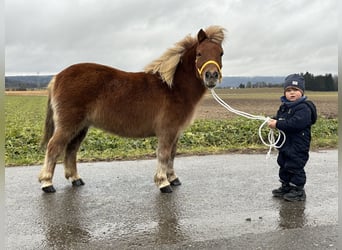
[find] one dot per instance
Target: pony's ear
(201, 36)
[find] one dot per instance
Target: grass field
(215, 130)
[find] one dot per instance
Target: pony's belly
(127, 129)
(133, 133)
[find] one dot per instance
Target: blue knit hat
(295, 81)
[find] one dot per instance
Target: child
(295, 117)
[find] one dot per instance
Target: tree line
(326, 82)
(27, 82)
(320, 82)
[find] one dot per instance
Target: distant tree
(335, 83)
(309, 81)
(329, 83)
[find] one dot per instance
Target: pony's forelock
(167, 63)
(215, 33)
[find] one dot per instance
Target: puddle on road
(292, 215)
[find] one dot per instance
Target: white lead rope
(272, 142)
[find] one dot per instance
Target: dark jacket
(295, 119)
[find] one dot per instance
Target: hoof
(78, 182)
(166, 189)
(175, 182)
(49, 189)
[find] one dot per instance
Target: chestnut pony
(157, 102)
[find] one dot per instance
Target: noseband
(210, 62)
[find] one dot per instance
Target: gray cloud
(264, 38)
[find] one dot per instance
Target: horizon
(52, 74)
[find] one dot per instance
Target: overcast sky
(268, 37)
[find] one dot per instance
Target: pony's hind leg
(54, 149)
(70, 168)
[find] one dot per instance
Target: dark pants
(292, 167)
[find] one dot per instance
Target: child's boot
(281, 191)
(297, 193)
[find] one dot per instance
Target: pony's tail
(49, 127)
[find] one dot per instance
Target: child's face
(293, 94)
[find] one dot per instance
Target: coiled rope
(272, 141)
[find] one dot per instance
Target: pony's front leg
(171, 175)
(164, 153)
(160, 178)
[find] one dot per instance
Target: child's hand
(272, 123)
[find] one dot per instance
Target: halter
(210, 62)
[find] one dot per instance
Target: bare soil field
(28, 93)
(263, 101)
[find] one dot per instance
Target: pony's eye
(222, 53)
(199, 54)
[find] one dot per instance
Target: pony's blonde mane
(167, 63)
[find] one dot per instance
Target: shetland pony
(160, 101)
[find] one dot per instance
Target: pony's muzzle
(211, 77)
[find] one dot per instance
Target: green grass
(25, 118)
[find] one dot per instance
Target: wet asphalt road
(225, 202)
